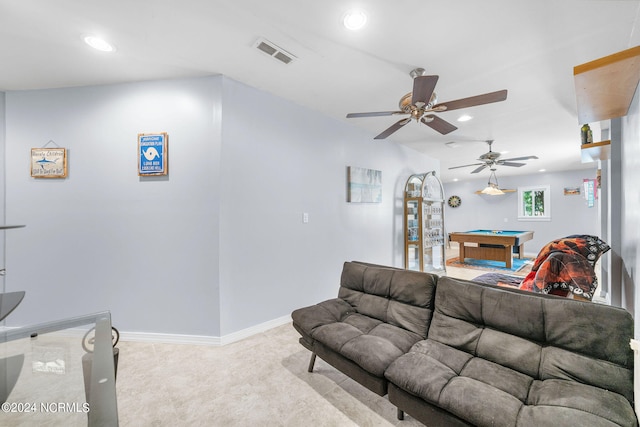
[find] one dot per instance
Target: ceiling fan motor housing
(409, 108)
(491, 155)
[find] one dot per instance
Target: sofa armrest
(307, 319)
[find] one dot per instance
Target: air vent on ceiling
(274, 51)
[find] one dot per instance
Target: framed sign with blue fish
(49, 162)
(153, 154)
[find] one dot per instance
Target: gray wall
(569, 214)
(629, 207)
(281, 160)
(216, 247)
(104, 238)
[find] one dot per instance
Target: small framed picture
(364, 185)
(49, 162)
(571, 191)
(153, 154)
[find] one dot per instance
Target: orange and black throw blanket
(566, 266)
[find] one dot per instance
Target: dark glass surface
(9, 301)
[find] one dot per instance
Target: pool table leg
(508, 256)
(521, 251)
(461, 253)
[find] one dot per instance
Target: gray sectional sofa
(454, 352)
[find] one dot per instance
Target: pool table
(494, 245)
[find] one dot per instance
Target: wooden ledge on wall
(595, 151)
(504, 190)
(605, 87)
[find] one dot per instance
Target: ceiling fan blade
(394, 127)
(374, 114)
(423, 87)
(521, 158)
(472, 101)
(480, 169)
(438, 124)
(503, 163)
(466, 166)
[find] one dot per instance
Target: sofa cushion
(589, 405)
(379, 314)
(374, 351)
(485, 393)
(503, 325)
(498, 356)
(474, 389)
(398, 297)
(329, 311)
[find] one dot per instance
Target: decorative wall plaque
(49, 162)
(152, 154)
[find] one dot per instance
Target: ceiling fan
(492, 158)
(423, 100)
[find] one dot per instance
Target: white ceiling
(528, 47)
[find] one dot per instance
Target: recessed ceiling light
(465, 118)
(98, 43)
(354, 20)
(542, 170)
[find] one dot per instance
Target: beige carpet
(259, 381)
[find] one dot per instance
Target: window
(534, 203)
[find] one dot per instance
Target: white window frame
(547, 203)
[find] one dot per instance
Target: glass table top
(9, 301)
(59, 373)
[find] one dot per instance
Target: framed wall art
(49, 162)
(364, 185)
(153, 154)
(571, 191)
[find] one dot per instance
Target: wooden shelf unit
(605, 87)
(595, 151)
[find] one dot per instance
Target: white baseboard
(153, 337)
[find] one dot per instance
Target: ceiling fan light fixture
(465, 118)
(354, 20)
(492, 188)
(98, 43)
(492, 191)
